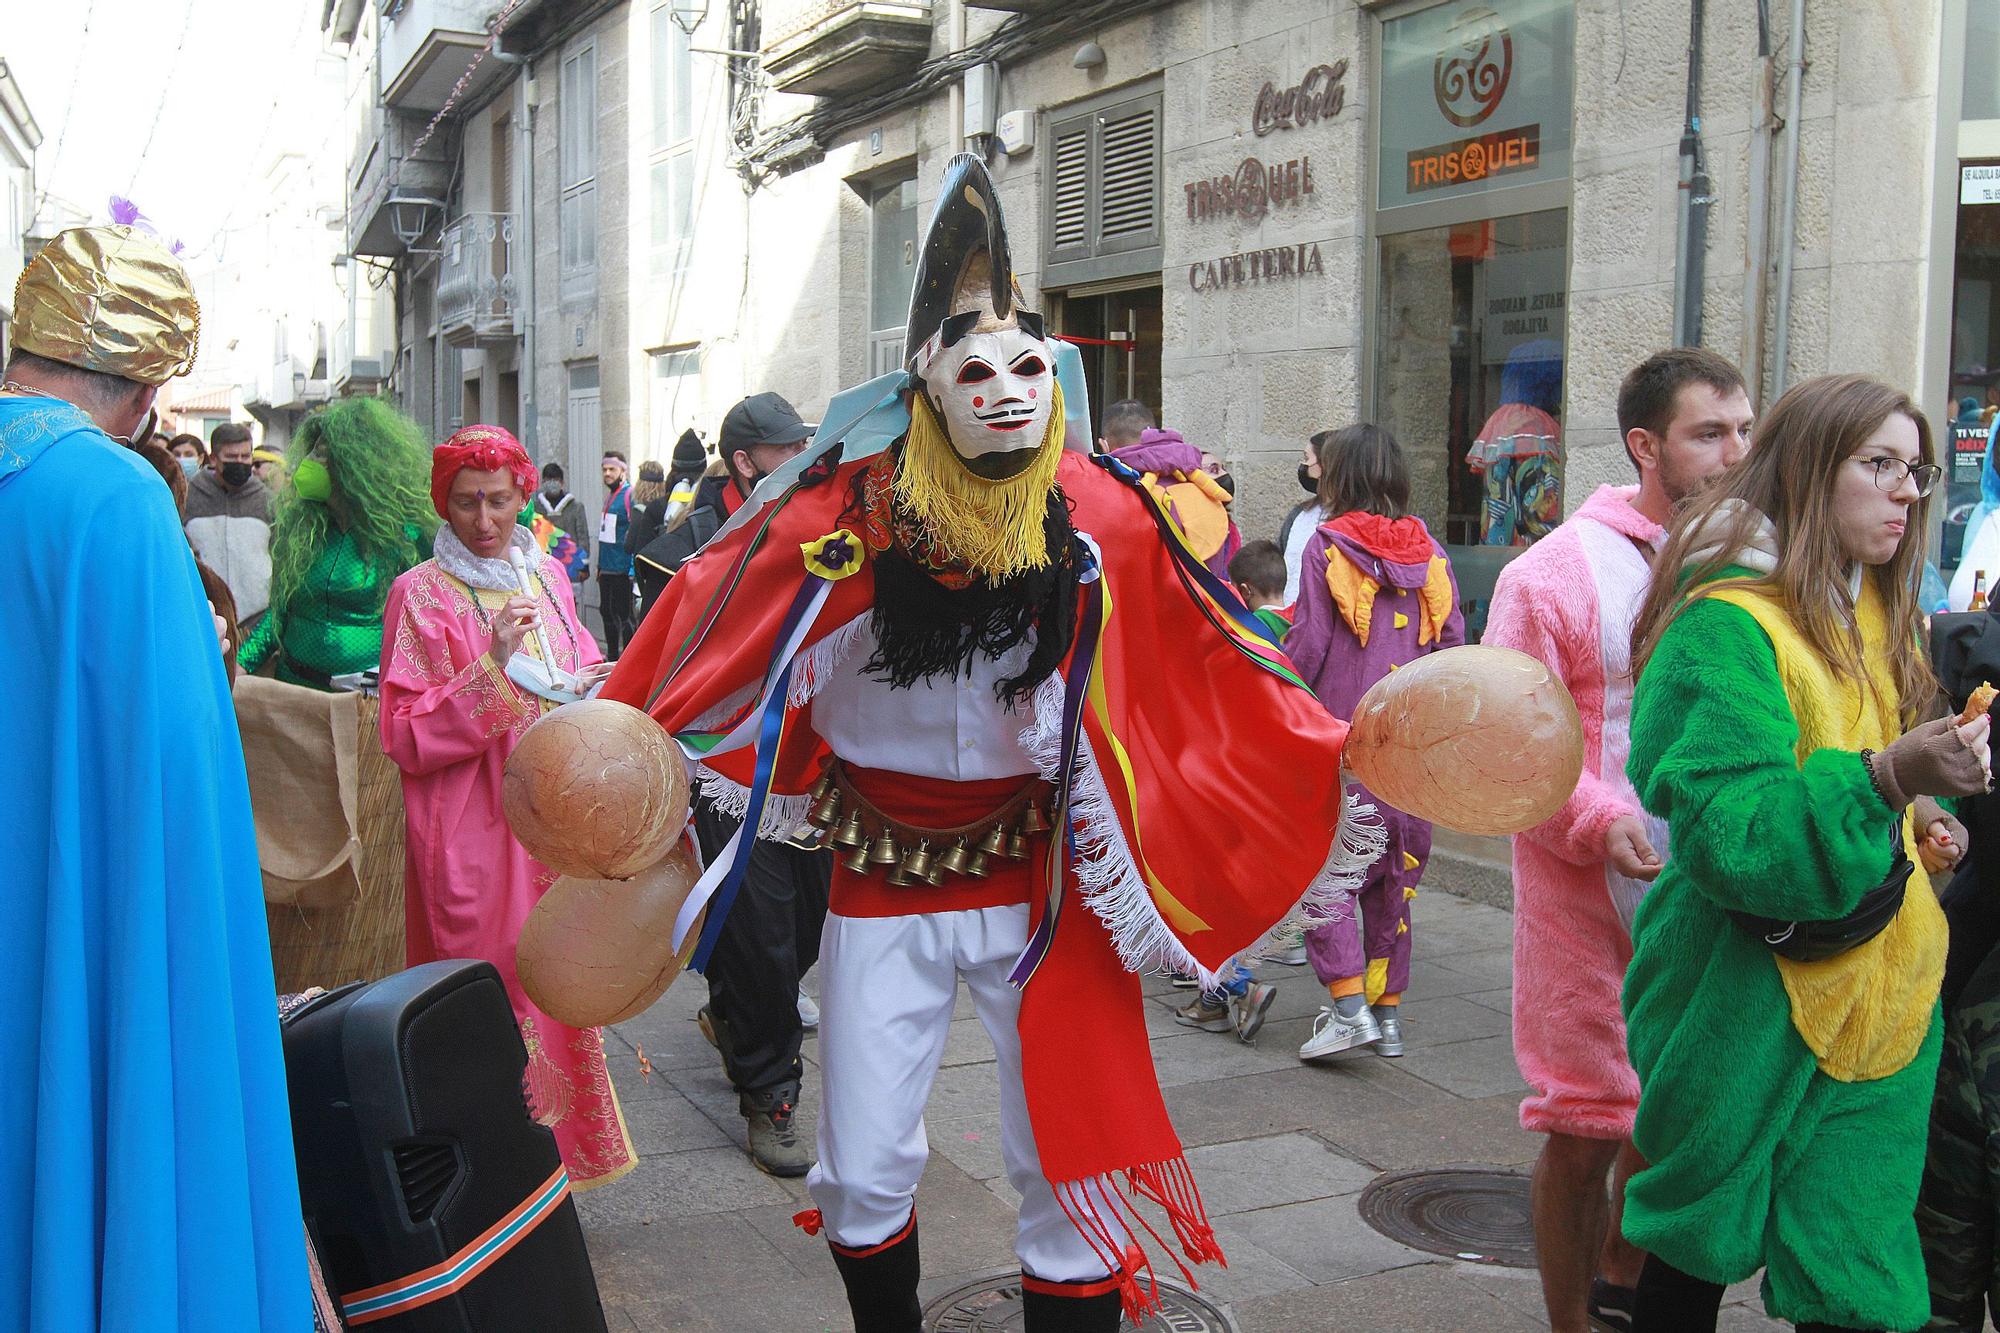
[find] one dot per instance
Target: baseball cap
(764, 418)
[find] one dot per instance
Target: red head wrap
(483, 449)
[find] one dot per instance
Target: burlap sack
(299, 747)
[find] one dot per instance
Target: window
(671, 160)
(677, 399)
(1103, 212)
(892, 270)
(577, 151)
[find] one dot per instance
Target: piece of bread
(1981, 700)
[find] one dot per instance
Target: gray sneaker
(1209, 1013)
(1285, 946)
(1391, 1041)
(1333, 1034)
(1250, 1008)
(775, 1144)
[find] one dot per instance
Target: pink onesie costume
(1570, 601)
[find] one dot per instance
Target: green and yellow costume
(1783, 1105)
(357, 514)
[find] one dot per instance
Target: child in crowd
(1258, 574)
(1376, 593)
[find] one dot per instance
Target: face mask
(190, 466)
(1307, 481)
(993, 392)
(553, 489)
(1227, 483)
(235, 474)
(312, 481)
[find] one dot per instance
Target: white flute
(532, 592)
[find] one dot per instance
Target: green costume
(357, 514)
(1759, 1156)
(330, 626)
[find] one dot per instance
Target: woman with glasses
(1781, 1004)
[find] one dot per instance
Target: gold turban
(109, 299)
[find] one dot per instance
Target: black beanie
(689, 456)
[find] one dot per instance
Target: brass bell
(977, 867)
(994, 843)
(897, 876)
(1033, 821)
(824, 785)
(856, 861)
(826, 811)
(917, 865)
(885, 851)
(852, 834)
(937, 874)
(1017, 848)
(957, 858)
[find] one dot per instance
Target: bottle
(1978, 591)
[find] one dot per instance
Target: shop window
(1102, 218)
(892, 270)
(1469, 376)
(1975, 378)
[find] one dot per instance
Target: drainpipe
(1691, 233)
(1788, 224)
(523, 258)
(954, 40)
(1757, 203)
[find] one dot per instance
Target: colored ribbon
(441, 1280)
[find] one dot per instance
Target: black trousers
(1670, 1301)
(614, 603)
(770, 940)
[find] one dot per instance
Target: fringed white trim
(784, 816)
(1109, 876)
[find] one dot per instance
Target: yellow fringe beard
(995, 527)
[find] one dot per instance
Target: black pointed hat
(965, 274)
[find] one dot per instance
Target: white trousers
(887, 985)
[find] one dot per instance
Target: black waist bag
(1816, 941)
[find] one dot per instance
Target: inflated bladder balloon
(1479, 739)
(596, 790)
(598, 951)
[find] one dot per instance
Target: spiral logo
(1471, 73)
(1472, 161)
(1253, 198)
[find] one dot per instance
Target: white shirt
(955, 730)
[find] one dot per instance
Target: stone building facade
(1262, 217)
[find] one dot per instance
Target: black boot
(1070, 1307)
(882, 1283)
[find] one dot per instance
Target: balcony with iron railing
(476, 293)
(829, 47)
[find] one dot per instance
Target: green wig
(380, 467)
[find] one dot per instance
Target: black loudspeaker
(438, 1204)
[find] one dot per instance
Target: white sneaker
(1333, 1034)
(808, 1011)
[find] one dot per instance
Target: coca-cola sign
(1319, 96)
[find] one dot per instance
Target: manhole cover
(992, 1304)
(1466, 1212)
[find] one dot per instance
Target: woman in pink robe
(450, 718)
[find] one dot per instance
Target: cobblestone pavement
(696, 1239)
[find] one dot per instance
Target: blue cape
(146, 1172)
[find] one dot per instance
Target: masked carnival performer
(355, 515)
(450, 717)
(146, 1171)
(947, 651)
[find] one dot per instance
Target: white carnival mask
(993, 391)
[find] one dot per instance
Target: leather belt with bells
(867, 839)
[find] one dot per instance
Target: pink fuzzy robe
(1570, 601)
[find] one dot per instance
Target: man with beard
(948, 654)
(1570, 601)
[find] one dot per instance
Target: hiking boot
(1250, 1008)
(1334, 1033)
(775, 1143)
(1391, 1023)
(1285, 946)
(1210, 1013)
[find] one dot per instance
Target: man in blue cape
(146, 1172)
